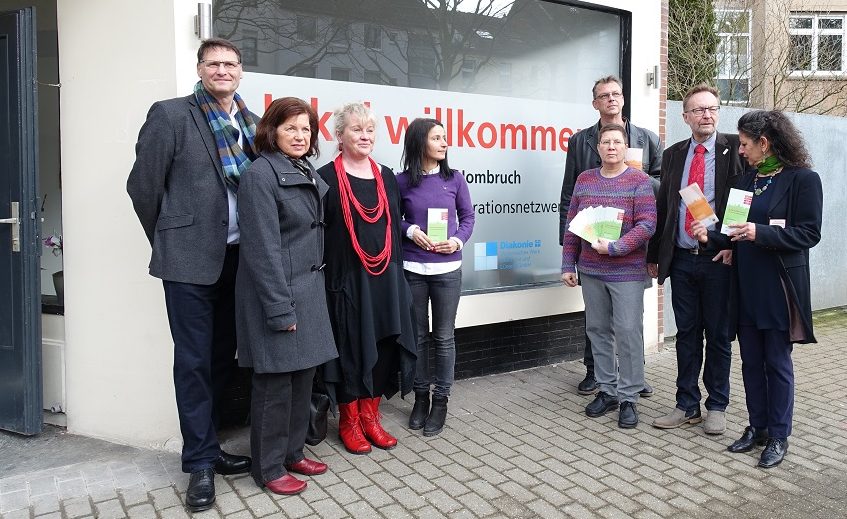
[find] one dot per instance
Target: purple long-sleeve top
(626, 261)
(435, 192)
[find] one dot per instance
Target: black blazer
(728, 167)
(798, 199)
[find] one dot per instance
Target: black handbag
(318, 410)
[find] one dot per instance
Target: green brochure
(436, 224)
(737, 208)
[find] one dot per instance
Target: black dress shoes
(752, 437)
(588, 385)
(602, 404)
(201, 490)
(628, 415)
(228, 464)
(774, 452)
(646, 391)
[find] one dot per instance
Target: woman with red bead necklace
(370, 305)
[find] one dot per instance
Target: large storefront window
(510, 80)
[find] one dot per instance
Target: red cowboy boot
(350, 430)
(369, 416)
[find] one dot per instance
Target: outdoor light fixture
(653, 77)
(203, 21)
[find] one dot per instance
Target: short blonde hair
(342, 115)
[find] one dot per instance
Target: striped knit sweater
(626, 261)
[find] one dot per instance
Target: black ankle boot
(435, 421)
(419, 411)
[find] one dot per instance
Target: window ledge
(818, 76)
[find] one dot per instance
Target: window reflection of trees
(455, 45)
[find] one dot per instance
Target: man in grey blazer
(189, 156)
(699, 277)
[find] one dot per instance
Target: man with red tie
(699, 275)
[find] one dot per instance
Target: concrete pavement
(516, 445)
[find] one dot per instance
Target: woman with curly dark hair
(770, 303)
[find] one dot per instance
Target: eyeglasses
(610, 95)
(616, 142)
(700, 112)
(215, 65)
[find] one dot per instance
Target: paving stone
(17, 500)
(175, 512)
(52, 515)
(228, 503)
(102, 491)
(261, 505)
(396, 512)
(17, 514)
(328, 509)
(143, 511)
(42, 485)
(294, 506)
(112, 509)
(14, 484)
(45, 504)
(77, 507)
(134, 495)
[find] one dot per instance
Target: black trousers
(279, 408)
(202, 322)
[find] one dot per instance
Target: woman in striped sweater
(612, 274)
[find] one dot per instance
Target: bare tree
(771, 58)
(431, 39)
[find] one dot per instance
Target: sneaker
(715, 422)
(676, 418)
(628, 415)
(588, 386)
(602, 404)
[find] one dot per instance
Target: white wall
(116, 59)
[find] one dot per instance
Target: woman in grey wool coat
(281, 314)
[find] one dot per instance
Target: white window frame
(723, 71)
(815, 33)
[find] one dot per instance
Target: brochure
(737, 208)
(697, 205)
(436, 224)
(633, 158)
(592, 223)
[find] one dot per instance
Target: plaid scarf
(234, 159)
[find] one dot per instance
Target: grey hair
(342, 115)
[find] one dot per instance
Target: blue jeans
(443, 291)
(700, 290)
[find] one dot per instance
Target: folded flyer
(737, 208)
(436, 224)
(592, 223)
(697, 205)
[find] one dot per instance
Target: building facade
(521, 72)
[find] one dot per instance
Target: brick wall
(513, 345)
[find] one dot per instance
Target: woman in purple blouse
(432, 193)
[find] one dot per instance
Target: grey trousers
(614, 321)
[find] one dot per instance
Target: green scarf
(768, 165)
